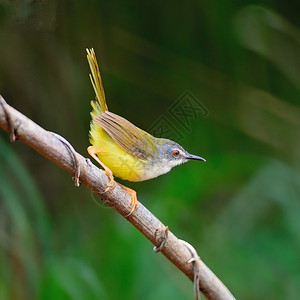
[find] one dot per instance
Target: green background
(240, 209)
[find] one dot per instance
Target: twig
(58, 150)
(197, 263)
(74, 155)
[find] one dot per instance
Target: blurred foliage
(241, 209)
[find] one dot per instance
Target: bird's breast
(153, 169)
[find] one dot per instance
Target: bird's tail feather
(99, 105)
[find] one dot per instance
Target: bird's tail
(99, 105)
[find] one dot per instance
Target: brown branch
(58, 151)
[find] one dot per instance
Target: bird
(124, 150)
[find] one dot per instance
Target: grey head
(174, 153)
(168, 155)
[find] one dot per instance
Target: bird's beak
(195, 157)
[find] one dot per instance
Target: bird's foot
(134, 204)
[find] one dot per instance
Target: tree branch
(59, 151)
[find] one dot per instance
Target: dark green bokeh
(240, 209)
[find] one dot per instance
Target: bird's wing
(132, 139)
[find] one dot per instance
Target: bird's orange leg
(134, 202)
(93, 150)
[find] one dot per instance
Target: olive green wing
(132, 139)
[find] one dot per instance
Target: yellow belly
(122, 164)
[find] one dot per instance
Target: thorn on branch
(9, 120)
(161, 237)
(73, 153)
(197, 261)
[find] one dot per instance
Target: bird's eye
(176, 153)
